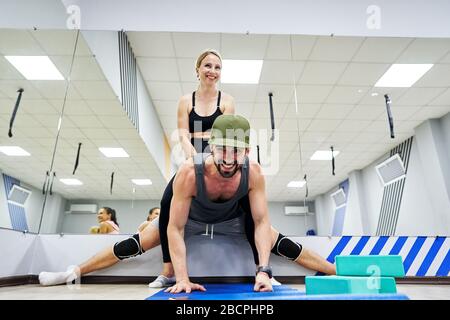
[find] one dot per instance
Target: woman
(152, 215)
(107, 222)
(198, 110)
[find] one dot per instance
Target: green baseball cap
(230, 130)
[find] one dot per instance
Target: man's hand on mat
(262, 283)
(185, 285)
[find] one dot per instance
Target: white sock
(54, 278)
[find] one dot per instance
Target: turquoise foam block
(349, 285)
(244, 291)
(382, 266)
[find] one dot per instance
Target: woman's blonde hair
(203, 56)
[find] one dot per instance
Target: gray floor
(140, 292)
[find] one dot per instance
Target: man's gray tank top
(207, 211)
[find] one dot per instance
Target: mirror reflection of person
(107, 220)
(153, 213)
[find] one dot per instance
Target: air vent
(339, 198)
(83, 208)
(391, 170)
(297, 211)
(18, 195)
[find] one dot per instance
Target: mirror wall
(324, 95)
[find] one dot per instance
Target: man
(208, 190)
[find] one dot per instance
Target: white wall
(425, 206)
(105, 46)
(324, 213)
(130, 218)
(26, 14)
(54, 214)
(416, 204)
(129, 215)
(33, 207)
(150, 128)
(291, 225)
(17, 252)
(418, 18)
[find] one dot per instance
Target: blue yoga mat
(244, 291)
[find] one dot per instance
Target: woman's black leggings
(164, 222)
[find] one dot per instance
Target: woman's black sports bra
(201, 124)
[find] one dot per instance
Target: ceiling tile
(262, 110)
(55, 89)
(84, 67)
(381, 49)
(164, 90)
(166, 108)
(186, 67)
(281, 93)
(9, 89)
(19, 43)
(419, 96)
(366, 112)
(335, 48)
(7, 71)
(334, 111)
(84, 121)
(35, 106)
(191, 45)
(437, 76)
(303, 110)
(425, 51)
(365, 74)
(321, 72)
(236, 46)
(241, 92)
(151, 44)
(314, 136)
(74, 107)
(312, 94)
(430, 112)
(158, 69)
(62, 42)
(292, 124)
(279, 48)
(280, 72)
(353, 125)
(346, 95)
(189, 87)
(324, 125)
(95, 90)
(442, 99)
(302, 46)
(115, 122)
(375, 96)
(106, 107)
(341, 137)
(400, 113)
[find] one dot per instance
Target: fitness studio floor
(141, 291)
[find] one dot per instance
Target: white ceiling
(92, 115)
(334, 78)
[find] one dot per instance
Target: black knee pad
(287, 248)
(128, 248)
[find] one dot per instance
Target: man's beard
(228, 174)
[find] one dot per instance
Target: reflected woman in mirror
(107, 220)
(152, 215)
